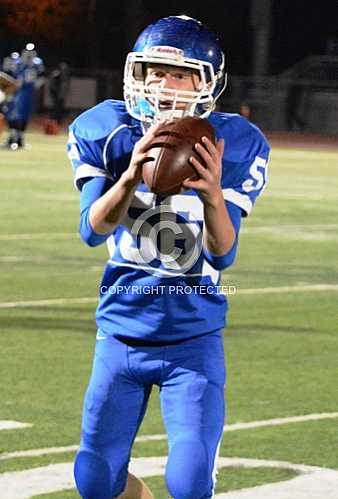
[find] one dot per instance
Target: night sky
(298, 29)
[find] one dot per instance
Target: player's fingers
(198, 185)
(139, 159)
(148, 136)
(154, 128)
(215, 151)
(205, 155)
(144, 158)
(210, 147)
(200, 170)
(190, 183)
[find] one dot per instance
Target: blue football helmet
(175, 41)
(28, 54)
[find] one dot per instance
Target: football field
(281, 344)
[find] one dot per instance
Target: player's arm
(219, 233)
(221, 262)
(103, 202)
(107, 212)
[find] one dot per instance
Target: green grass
(280, 347)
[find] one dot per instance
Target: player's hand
(141, 155)
(209, 182)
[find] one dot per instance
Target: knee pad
(187, 471)
(93, 476)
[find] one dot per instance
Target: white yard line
(47, 303)
(288, 289)
(38, 452)
(280, 421)
(148, 438)
(13, 425)
(29, 483)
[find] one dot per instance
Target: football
(171, 149)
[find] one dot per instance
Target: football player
(28, 73)
(161, 309)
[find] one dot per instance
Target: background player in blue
(27, 70)
(161, 310)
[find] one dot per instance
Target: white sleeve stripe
(242, 200)
(85, 171)
(108, 140)
(71, 137)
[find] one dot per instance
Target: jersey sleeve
(92, 191)
(223, 261)
(245, 162)
(86, 157)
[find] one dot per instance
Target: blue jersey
(160, 285)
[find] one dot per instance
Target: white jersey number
(258, 172)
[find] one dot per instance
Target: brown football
(171, 149)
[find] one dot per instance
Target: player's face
(171, 78)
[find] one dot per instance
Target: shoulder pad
(99, 121)
(243, 139)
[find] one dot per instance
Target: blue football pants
(191, 379)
